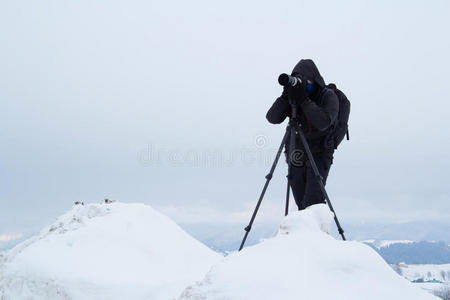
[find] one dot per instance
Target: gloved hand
(296, 94)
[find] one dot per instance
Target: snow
(105, 251)
(433, 287)
(426, 272)
(304, 262)
(130, 251)
(386, 243)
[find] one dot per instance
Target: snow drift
(304, 262)
(105, 251)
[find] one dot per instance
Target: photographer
(318, 109)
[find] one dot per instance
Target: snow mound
(314, 218)
(105, 251)
(304, 262)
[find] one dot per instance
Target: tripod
(292, 128)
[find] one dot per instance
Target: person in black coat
(318, 109)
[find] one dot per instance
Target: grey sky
(89, 89)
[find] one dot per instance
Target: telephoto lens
(285, 79)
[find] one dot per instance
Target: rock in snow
(304, 262)
(105, 251)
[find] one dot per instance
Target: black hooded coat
(317, 114)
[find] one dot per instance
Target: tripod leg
(290, 163)
(268, 178)
(286, 209)
(319, 178)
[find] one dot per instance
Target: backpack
(340, 129)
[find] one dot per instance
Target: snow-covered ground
(386, 243)
(303, 262)
(426, 272)
(434, 287)
(105, 251)
(130, 251)
(426, 276)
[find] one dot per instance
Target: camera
(285, 80)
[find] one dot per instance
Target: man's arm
(279, 111)
(322, 117)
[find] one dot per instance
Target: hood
(307, 69)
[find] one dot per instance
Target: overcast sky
(164, 102)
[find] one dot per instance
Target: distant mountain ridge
(414, 231)
(410, 252)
